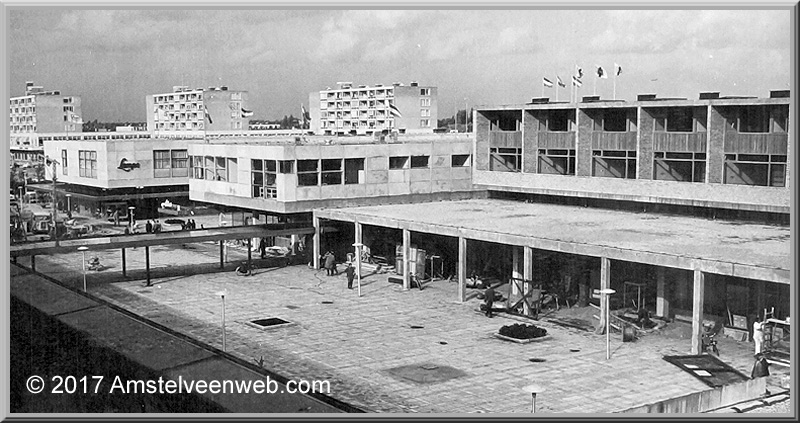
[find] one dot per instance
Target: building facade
(365, 110)
(186, 111)
(38, 112)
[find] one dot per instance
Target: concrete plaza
(357, 343)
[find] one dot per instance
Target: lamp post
(607, 292)
(533, 390)
(83, 250)
(222, 295)
(69, 204)
(358, 246)
(130, 217)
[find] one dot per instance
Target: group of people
(329, 263)
(190, 224)
(152, 227)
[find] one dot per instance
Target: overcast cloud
(113, 58)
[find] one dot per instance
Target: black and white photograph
(441, 210)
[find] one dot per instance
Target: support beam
(662, 297)
(124, 265)
(605, 283)
(147, 264)
(317, 235)
(462, 269)
(527, 274)
(698, 294)
(221, 254)
(406, 261)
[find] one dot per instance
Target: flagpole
(615, 86)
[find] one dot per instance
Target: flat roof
(723, 247)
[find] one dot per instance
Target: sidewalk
(360, 344)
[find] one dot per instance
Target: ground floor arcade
(679, 267)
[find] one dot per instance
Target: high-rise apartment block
(364, 110)
(197, 110)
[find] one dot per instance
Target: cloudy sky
(113, 58)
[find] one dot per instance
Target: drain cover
(327, 302)
(272, 321)
(443, 343)
(574, 350)
(537, 360)
(417, 327)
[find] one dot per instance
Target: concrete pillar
(359, 233)
(530, 141)
(147, 264)
(221, 254)
(517, 271)
(583, 147)
(715, 144)
(605, 283)
(481, 151)
(662, 297)
(462, 269)
(33, 263)
(527, 274)
(645, 144)
(250, 252)
(124, 266)
(294, 240)
(317, 235)
(406, 260)
(697, 311)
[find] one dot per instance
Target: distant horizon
(113, 58)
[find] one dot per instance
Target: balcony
(614, 140)
(505, 138)
(557, 140)
(762, 143)
(680, 142)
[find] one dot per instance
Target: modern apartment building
(365, 110)
(37, 112)
(186, 111)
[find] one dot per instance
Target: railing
(505, 139)
(756, 143)
(680, 142)
(557, 140)
(614, 140)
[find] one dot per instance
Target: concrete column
(359, 233)
(124, 267)
(294, 240)
(715, 144)
(605, 283)
(147, 264)
(527, 274)
(662, 299)
(530, 141)
(250, 252)
(33, 263)
(517, 270)
(481, 150)
(406, 261)
(583, 144)
(645, 145)
(697, 311)
(462, 269)
(317, 235)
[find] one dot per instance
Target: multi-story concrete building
(365, 110)
(38, 112)
(197, 110)
(680, 206)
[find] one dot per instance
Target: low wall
(712, 399)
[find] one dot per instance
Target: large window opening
(556, 162)
(505, 159)
(264, 178)
(755, 169)
(307, 173)
(679, 167)
(614, 164)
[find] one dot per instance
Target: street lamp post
(607, 292)
(222, 295)
(358, 246)
(130, 217)
(83, 250)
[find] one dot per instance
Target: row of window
(357, 93)
(22, 110)
(214, 168)
(19, 119)
(679, 119)
(87, 163)
(741, 169)
(24, 100)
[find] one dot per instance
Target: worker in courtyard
(351, 273)
(262, 247)
(758, 335)
(489, 298)
(330, 262)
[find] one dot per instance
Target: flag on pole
(576, 81)
(246, 113)
(560, 82)
(208, 116)
(578, 72)
(547, 82)
(74, 118)
(305, 114)
(394, 110)
(618, 69)
(601, 73)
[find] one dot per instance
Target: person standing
(489, 297)
(758, 335)
(351, 273)
(329, 262)
(262, 247)
(148, 227)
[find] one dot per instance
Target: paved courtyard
(355, 342)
